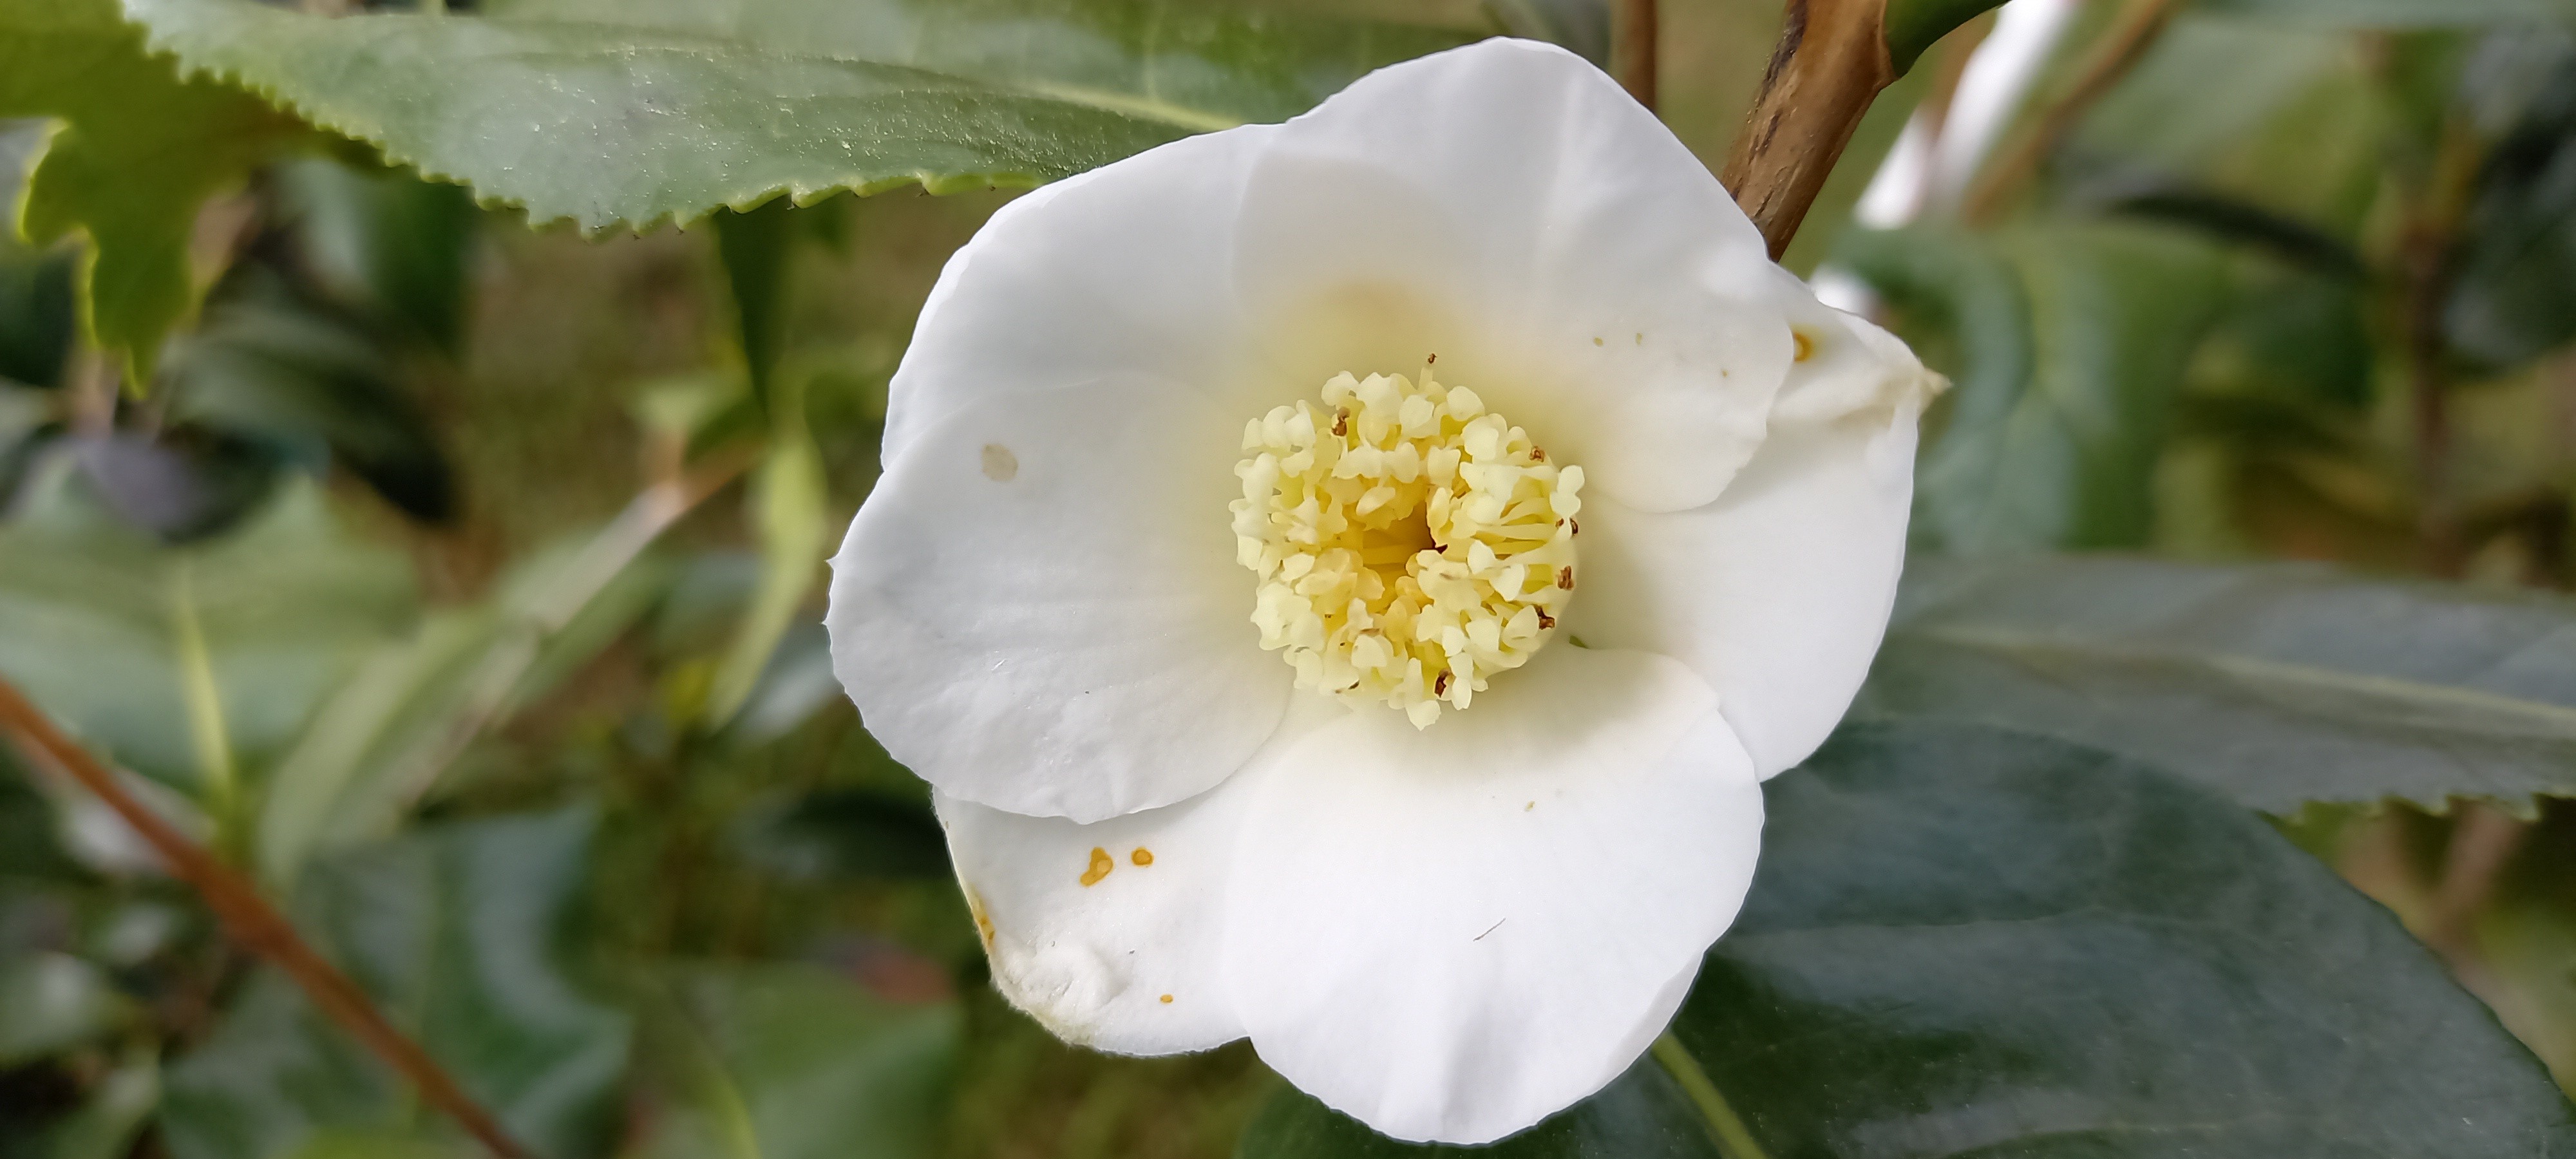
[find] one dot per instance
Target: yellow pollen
(1409, 543)
(1099, 867)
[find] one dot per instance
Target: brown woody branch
(254, 924)
(1633, 30)
(1831, 63)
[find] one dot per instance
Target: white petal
(1039, 608)
(1118, 273)
(1506, 207)
(1449, 934)
(1779, 592)
(1848, 366)
(1095, 963)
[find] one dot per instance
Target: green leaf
(2518, 247)
(50, 1003)
(93, 624)
(2392, 13)
(119, 1106)
(388, 733)
(314, 388)
(455, 931)
(851, 834)
(615, 111)
(1968, 942)
(794, 1062)
(2070, 343)
(138, 152)
(386, 242)
(787, 503)
(2276, 685)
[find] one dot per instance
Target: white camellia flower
(1346, 580)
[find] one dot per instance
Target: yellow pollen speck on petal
(983, 921)
(1596, 341)
(1167, 999)
(1100, 867)
(1142, 856)
(1000, 465)
(1404, 538)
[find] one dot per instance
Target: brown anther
(1565, 578)
(1538, 454)
(1341, 422)
(1576, 525)
(1428, 361)
(1546, 621)
(1440, 685)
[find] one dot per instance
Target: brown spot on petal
(1100, 867)
(1000, 465)
(1142, 856)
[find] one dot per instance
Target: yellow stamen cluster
(1409, 543)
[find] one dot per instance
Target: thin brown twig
(2118, 52)
(1830, 65)
(1634, 29)
(254, 924)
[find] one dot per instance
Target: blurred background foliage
(462, 582)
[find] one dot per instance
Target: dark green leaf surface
(2276, 685)
(90, 618)
(1964, 942)
(795, 1062)
(139, 151)
(2069, 344)
(455, 931)
(2392, 13)
(608, 112)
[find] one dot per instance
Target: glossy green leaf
(2067, 344)
(457, 932)
(2276, 685)
(139, 150)
(93, 620)
(1968, 942)
(794, 1062)
(2392, 13)
(613, 111)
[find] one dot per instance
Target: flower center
(1409, 542)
